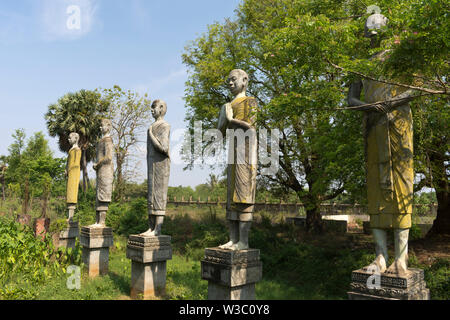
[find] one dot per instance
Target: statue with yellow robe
(73, 174)
(240, 117)
(388, 133)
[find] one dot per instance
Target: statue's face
(237, 82)
(157, 109)
(374, 25)
(105, 127)
(73, 139)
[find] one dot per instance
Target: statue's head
(237, 81)
(374, 24)
(74, 138)
(105, 126)
(159, 109)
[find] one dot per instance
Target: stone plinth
(96, 242)
(68, 236)
(391, 287)
(231, 275)
(148, 256)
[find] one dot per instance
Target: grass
(296, 265)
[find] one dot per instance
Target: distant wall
(295, 208)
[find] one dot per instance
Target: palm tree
(79, 112)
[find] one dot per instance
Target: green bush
(415, 232)
(26, 262)
(134, 219)
(437, 277)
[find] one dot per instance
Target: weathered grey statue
(105, 172)
(388, 137)
(240, 116)
(158, 164)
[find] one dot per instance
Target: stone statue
(158, 164)
(240, 116)
(105, 172)
(73, 174)
(388, 133)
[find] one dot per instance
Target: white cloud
(67, 19)
(163, 84)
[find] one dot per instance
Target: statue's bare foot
(398, 268)
(96, 225)
(239, 246)
(227, 245)
(148, 233)
(378, 265)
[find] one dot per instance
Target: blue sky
(136, 44)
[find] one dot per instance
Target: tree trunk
(314, 223)
(3, 189)
(441, 224)
(26, 197)
(46, 196)
(119, 183)
(85, 172)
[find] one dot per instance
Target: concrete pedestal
(391, 287)
(96, 242)
(231, 275)
(148, 256)
(68, 236)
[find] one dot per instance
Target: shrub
(27, 262)
(415, 232)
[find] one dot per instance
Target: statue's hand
(382, 107)
(229, 111)
(150, 130)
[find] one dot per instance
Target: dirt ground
(428, 250)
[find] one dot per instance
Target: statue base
(388, 286)
(231, 275)
(68, 236)
(96, 242)
(148, 257)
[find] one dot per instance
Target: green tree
(279, 44)
(130, 115)
(79, 112)
(33, 168)
(421, 57)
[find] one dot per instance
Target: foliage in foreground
(296, 265)
(27, 262)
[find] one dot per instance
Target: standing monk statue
(105, 172)
(388, 133)
(73, 174)
(158, 164)
(240, 117)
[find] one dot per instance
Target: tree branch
(430, 91)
